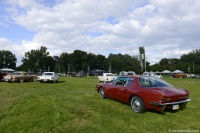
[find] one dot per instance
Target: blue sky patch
(112, 20)
(15, 33)
(94, 33)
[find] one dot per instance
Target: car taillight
(183, 97)
(161, 100)
(164, 99)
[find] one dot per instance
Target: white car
(152, 74)
(48, 77)
(106, 77)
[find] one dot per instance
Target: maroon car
(2, 76)
(143, 92)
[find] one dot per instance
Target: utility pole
(4, 62)
(193, 68)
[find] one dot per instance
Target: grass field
(73, 105)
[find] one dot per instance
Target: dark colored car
(144, 92)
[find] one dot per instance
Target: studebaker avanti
(144, 92)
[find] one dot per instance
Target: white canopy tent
(157, 72)
(7, 70)
(166, 72)
(177, 71)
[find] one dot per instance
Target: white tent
(166, 72)
(157, 72)
(177, 71)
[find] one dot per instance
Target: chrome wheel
(137, 104)
(102, 93)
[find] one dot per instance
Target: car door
(117, 88)
(122, 94)
(111, 91)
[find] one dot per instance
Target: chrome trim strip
(160, 104)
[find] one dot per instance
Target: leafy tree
(65, 61)
(124, 62)
(38, 60)
(79, 59)
(58, 65)
(102, 63)
(190, 59)
(7, 59)
(92, 61)
(164, 62)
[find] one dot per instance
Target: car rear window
(48, 73)
(153, 82)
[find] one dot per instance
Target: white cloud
(167, 29)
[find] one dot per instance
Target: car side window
(144, 82)
(129, 81)
(121, 81)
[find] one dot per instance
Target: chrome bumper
(171, 103)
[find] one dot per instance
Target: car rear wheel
(137, 104)
(102, 93)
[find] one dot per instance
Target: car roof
(137, 76)
(133, 76)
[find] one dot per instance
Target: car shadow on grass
(59, 82)
(166, 111)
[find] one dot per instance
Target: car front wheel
(137, 104)
(102, 93)
(21, 80)
(34, 79)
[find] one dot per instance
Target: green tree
(38, 60)
(102, 63)
(124, 62)
(7, 59)
(192, 61)
(79, 60)
(92, 61)
(65, 61)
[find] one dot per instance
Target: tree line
(40, 60)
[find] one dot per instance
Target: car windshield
(153, 82)
(109, 74)
(16, 73)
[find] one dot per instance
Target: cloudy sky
(166, 28)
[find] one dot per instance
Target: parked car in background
(20, 76)
(48, 77)
(2, 75)
(152, 74)
(122, 73)
(142, 92)
(178, 75)
(80, 74)
(62, 74)
(71, 74)
(196, 76)
(106, 77)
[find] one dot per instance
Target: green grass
(73, 105)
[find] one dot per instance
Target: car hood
(172, 91)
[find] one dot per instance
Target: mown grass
(73, 105)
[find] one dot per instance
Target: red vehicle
(144, 92)
(2, 76)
